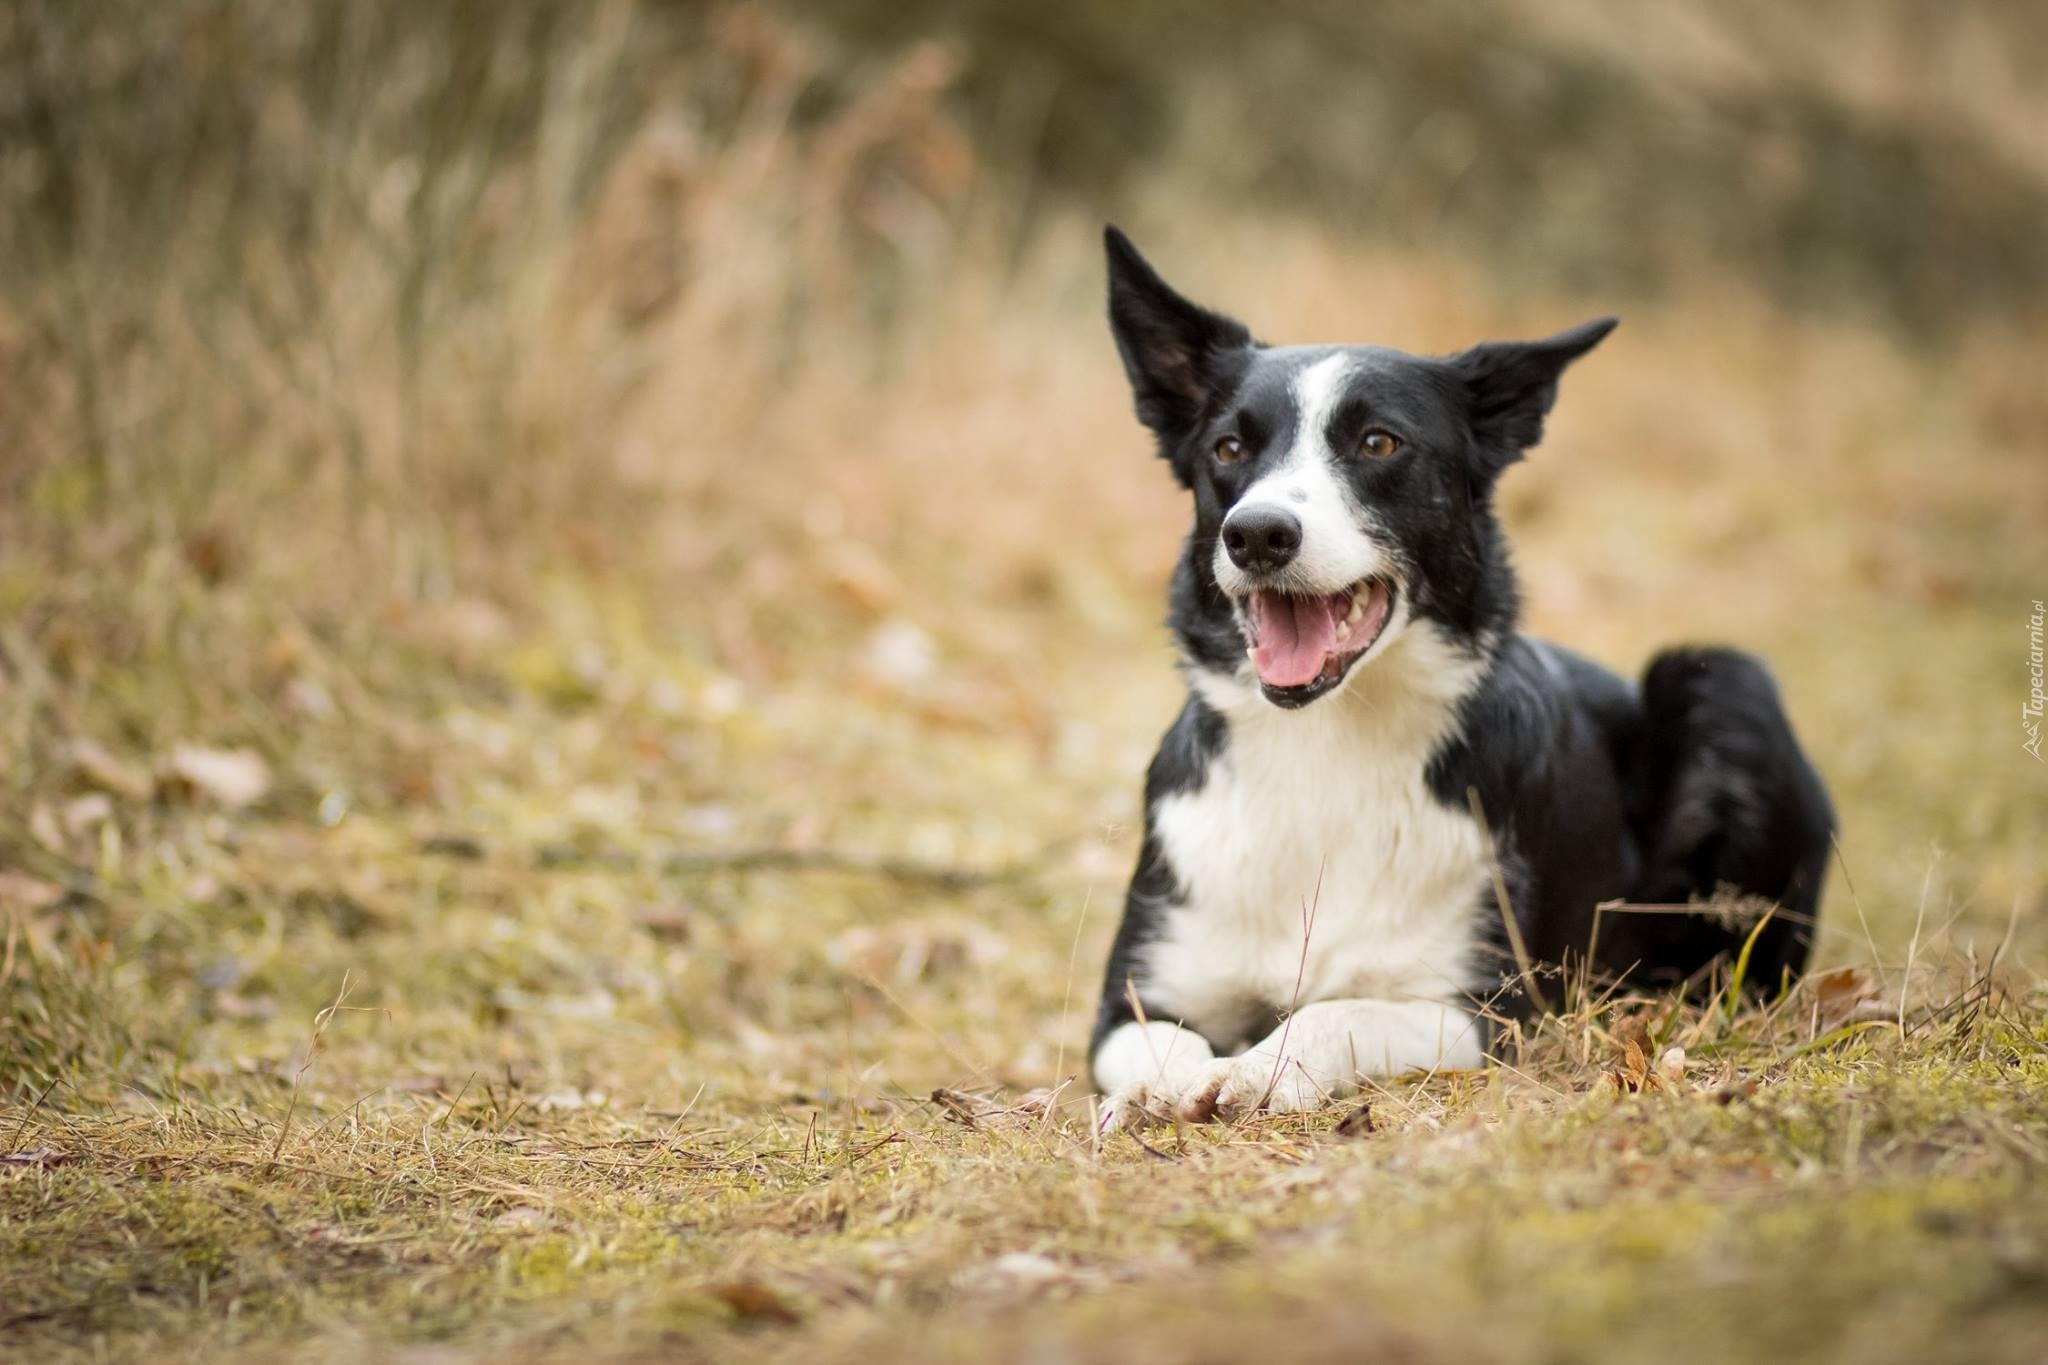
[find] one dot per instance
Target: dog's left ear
(1169, 345)
(1511, 385)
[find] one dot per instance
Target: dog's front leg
(1322, 1050)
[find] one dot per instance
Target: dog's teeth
(1251, 654)
(1357, 610)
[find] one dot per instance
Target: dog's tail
(1728, 809)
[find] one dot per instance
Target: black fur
(1685, 789)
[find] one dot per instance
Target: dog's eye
(1229, 450)
(1377, 444)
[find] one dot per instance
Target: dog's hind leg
(1726, 807)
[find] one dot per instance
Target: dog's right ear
(1170, 347)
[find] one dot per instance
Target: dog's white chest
(1318, 828)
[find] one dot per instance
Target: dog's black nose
(1261, 539)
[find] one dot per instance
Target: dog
(1384, 815)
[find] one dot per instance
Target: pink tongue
(1295, 635)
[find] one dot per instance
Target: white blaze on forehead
(1336, 547)
(1305, 469)
(1316, 392)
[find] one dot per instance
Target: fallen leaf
(43, 825)
(863, 576)
(1733, 1091)
(569, 1100)
(755, 1302)
(309, 698)
(959, 1108)
(42, 1158)
(1633, 1076)
(210, 556)
(900, 654)
(1021, 1275)
(230, 777)
(910, 950)
(1358, 1123)
(229, 1005)
(670, 923)
(85, 812)
(99, 767)
(1847, 995)
(522, 1218)
(19, 891)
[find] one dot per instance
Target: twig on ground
(763, 858)
(320, 1022)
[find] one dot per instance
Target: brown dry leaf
(520, 1218)
(1357, 1124)
(1633, 1076)
(99, 767)
(900, 654)
(861, 575)
(42, 1158)
(85, 812)
(42, 823)
(1734, 1091)
(909, 950)
(210, 555)
(755, 1302)
(19, 891)
(1021, 1275)
(233, 778)
(963, 1109)
(1846, 995)
(229, 1005)
(670, 923)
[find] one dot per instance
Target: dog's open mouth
(1301, 645)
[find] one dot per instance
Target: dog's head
(1342, 493)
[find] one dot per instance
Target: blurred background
(488, 490)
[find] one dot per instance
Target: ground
(592, 832)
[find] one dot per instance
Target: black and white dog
(1368, 742)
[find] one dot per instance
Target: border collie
(1371, 758)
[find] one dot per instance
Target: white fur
(1337, 547)
(1324, 807)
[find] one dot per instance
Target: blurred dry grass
(480, 485)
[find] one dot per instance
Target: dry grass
(687, 701)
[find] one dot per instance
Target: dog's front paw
(1184, 1094)
(1221, 1090)
(1144, 1103)
(1124, 1108)
(1251, 1083)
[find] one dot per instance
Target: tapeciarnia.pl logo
(2030, 714)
